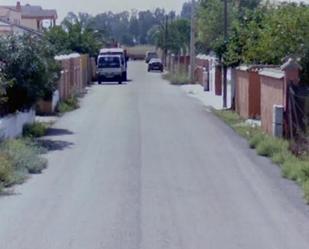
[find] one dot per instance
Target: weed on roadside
(6, 171)
(180, 78)
(278, 150)
(18, 159)
(35, 130)
(68, 105)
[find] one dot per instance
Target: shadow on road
(8, 192)
(54, 145)
(58, 132)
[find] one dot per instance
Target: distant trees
(175, 37)
(130, 28)
(186, 10)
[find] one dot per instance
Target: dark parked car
(150, 55)
(155, 64)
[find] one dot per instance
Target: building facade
(29, 16)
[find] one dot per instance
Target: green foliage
(306, 190)
(24, 155)
(268, 34)
(68, 105)
(180, 78)
(293, 168)
(6, 171)
(256, 140)
(76, 35)
(229, 117)
(283, 31)
(270, 146)
(129, 28)
(29, 72)
(35, 130)
(175, 37)
(211, 24)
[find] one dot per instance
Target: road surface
(143, 166)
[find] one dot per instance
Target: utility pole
(224, 66)
(192, 41)
(165, 40)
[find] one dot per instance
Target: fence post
(291, 77)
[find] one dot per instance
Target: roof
(111, 50)
(34, 11)
(155, 60)
(272, 72)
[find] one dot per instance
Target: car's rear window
(109, 62)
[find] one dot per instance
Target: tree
(76, 35)
(211, 22)
(28, 72)
(186, 10)
(178, 38)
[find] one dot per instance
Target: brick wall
(272, 93)
(76, 74)
(248, 93)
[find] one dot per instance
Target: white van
(109, 68)
(122, 53)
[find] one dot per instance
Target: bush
(306, 190)
(229, 117)
(177, 78)
(30, 68)
(256, 140)
(35, 130)
(294, 169)
(25, 156)
(270, 146)
(68, 105)
(6, 171)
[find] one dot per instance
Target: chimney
(18, 6)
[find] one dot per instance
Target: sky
(98, 6)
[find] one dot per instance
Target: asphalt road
(143, 166)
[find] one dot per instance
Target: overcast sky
(99, 6)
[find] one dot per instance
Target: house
(7, 28)
(29, 16)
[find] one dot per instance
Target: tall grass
(278, 150)
(18, 159)
(179, 78)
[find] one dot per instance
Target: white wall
(55, 100)
(11, 126)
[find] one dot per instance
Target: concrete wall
(11, 126)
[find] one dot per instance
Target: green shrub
(35, 130)
(180, 78)
(306, 190)
(256, 140)
(68, 105)
(6, 171)
(25, 156)
(293, 169)
(271, 146)
(229, 117)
